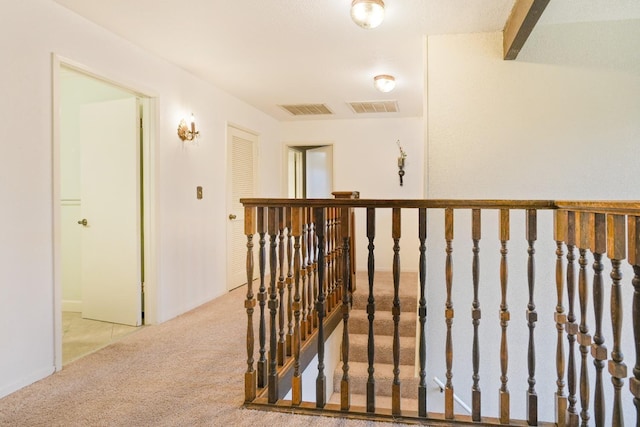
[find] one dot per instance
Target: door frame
(294, 144)
(148, 101)
(229, 189)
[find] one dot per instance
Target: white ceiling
(273, 52)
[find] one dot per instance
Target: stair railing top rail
(598, 206)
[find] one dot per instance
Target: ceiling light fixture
(367, 13)
(384, 82)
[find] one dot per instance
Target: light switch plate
(199, 192)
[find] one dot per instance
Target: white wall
(189, 233)
(365, 159)
(561, 122)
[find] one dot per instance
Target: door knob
(232, 216)
(83, 222)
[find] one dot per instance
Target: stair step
(383, 291)
(382, 323)
(383, 375)
(382, 402)
(358, 349)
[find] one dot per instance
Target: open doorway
(99, 221)
(309, 171)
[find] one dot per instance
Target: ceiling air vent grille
(307, 109)
(374, 107)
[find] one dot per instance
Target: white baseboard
(72, 305)
(6, 389)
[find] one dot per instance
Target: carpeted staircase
(383, 329)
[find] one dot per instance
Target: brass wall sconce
(188, 132)
(401, 159)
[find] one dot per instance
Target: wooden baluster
(289, 281)
(250, 376)
(504, 318)
(262, 300)
(560, 401)
(311, 277)
(598, 246)
(273, 304)
(295, 220)
(314, 266)
(448, 388)
(584, 339)
(338, 266)
(371, 310)
(337, 255)
(345, 394)
(572, 326)
(303, 277)
(616, 251)
(281, 284)
(532, 318)
(634, 259)
(321, 380)
(422, 313)
(335, 261)
(395, 232)
(476, 314)
(332, 261)
(329, 261)
(312, 269)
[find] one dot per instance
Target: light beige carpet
(185, 372)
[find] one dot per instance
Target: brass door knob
(83, 222)
(232, 216)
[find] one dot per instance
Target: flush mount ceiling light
(367, 13)
(384, 82)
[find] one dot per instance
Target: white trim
(285, 161)
(28, 380)
(150, 122)
(72, 305)
(255, 140)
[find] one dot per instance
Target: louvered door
(241, 160)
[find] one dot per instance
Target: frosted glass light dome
(384, 82)
(367, 13)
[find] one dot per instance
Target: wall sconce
(188, 132)
(403, 156)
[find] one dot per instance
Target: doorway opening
(309, 171)
(101, 229)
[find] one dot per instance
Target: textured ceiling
(274, 52)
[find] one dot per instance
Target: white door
(319, 172)
(241, 149)
(110, 198)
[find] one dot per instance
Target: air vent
(307, 109)
(374, 107)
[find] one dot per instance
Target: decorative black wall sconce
(403, 156)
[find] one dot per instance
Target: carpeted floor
(185, 372)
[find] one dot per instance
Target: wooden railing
(311, 282)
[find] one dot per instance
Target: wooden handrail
(311, 258)
(402, 203)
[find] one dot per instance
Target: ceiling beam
(523, 19)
